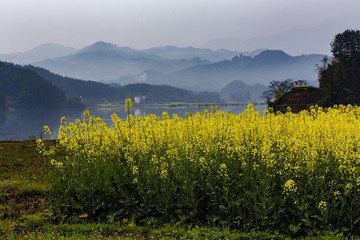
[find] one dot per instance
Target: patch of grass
(22, 177)
(20, 160)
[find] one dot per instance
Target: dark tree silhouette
(342, 76)
(346, 46)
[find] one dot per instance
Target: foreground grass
(24, 215)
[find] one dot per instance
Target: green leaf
(222, 207)
(294, 228)
(317, 217)
(357, 220)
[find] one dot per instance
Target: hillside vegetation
(22, 88)
(95, 92)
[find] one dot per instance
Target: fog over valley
(190, 68)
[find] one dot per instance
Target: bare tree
(277, 89)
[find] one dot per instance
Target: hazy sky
(140, 24)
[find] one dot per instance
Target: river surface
(24, 124)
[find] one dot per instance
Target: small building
(140, 99)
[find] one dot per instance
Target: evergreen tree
(346, 46)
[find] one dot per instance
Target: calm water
(29, 123)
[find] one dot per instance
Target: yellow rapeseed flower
(322, 205)
(128, 105)
(223, 170)
(289, 186)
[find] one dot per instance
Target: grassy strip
(23, 202)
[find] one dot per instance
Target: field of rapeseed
(278, 172)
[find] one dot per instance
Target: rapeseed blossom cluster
(180, 168)
(289, 187)
(223, 170)
(322, 205)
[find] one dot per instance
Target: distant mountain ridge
(172, 52)
(96, 92)
(188, 68)
(267, 66)
(40, 53)
(105, 62)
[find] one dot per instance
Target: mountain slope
(89, 91)
(263, 68)
(24, 88)
(238, 91)
(92, 92)
(267, 66)
(165, 94)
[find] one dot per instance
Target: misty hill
(263, 68)
(267, 66)
(22, 88)
(92, 92)
(40, 53)
(165, 94)
(238, 91)
(89, 91)
(148, 76)
(172, 52)
(105, 62)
